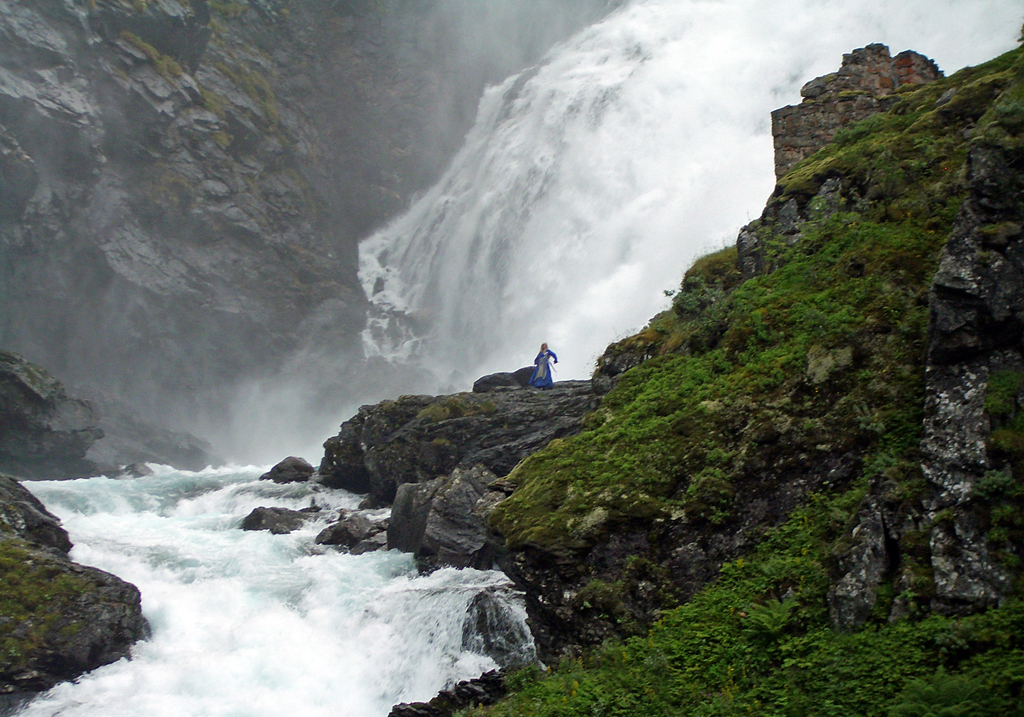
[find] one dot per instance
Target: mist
(590, 183)
(462, 180)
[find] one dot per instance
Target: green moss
(456, 407)
(223, 139)
(228, 9)
(34, 595)
(759, 642)
(167, 66)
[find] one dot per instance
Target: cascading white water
(590, 182)
(249, 623)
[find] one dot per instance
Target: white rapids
(249, 624)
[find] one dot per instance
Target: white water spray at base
(589, 183)
(252, 624)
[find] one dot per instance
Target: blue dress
(541, 377)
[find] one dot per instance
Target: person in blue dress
(541, 377)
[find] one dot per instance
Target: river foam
(249, 623)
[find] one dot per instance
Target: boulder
(486, 689)
(44, 433)
(291, 470)
(350, 530)
(65, 619)
(416, 439)
(371, 544)
(24, 516)
(279, 521)
(444, 522)
(503, 381)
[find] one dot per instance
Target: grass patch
(34, 593)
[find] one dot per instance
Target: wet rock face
(419, 438)
(165, 201)
(444, 522)
(484, 690)
(43, 433)
(291, 470)
(78, 618)
(279, 521)
(868, 75)
(977, 326)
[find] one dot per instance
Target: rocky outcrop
(43, 433)
(484, 690)
(444, 521)
(416, 439)
(974, 377)
(867, 77)
(60, 619)
(291, 470)
(47, 434)
(130, 440)
(279, 521)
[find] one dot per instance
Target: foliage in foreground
(758, 642)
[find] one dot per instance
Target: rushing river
(248, 623)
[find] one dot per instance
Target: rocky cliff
(43, 432)
(802, 491)
(59, 619)
(184, 184)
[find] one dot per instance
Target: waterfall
(591, 181)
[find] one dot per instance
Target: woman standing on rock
(541, 377)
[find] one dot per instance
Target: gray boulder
(72, 618)
(24, 516)
(291, 470)
(354, 530)
(444, 521)
(279, 521)
(503, 381)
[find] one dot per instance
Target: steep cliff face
(823, 434)
(171, 206)
(43, 432)
(184, 184)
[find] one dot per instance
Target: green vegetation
(34, 594)
(167, 66)
(820, 356)
(256, 87)
(758, 642)
(455, 407)
(228, 9)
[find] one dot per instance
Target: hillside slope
(816, 453)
